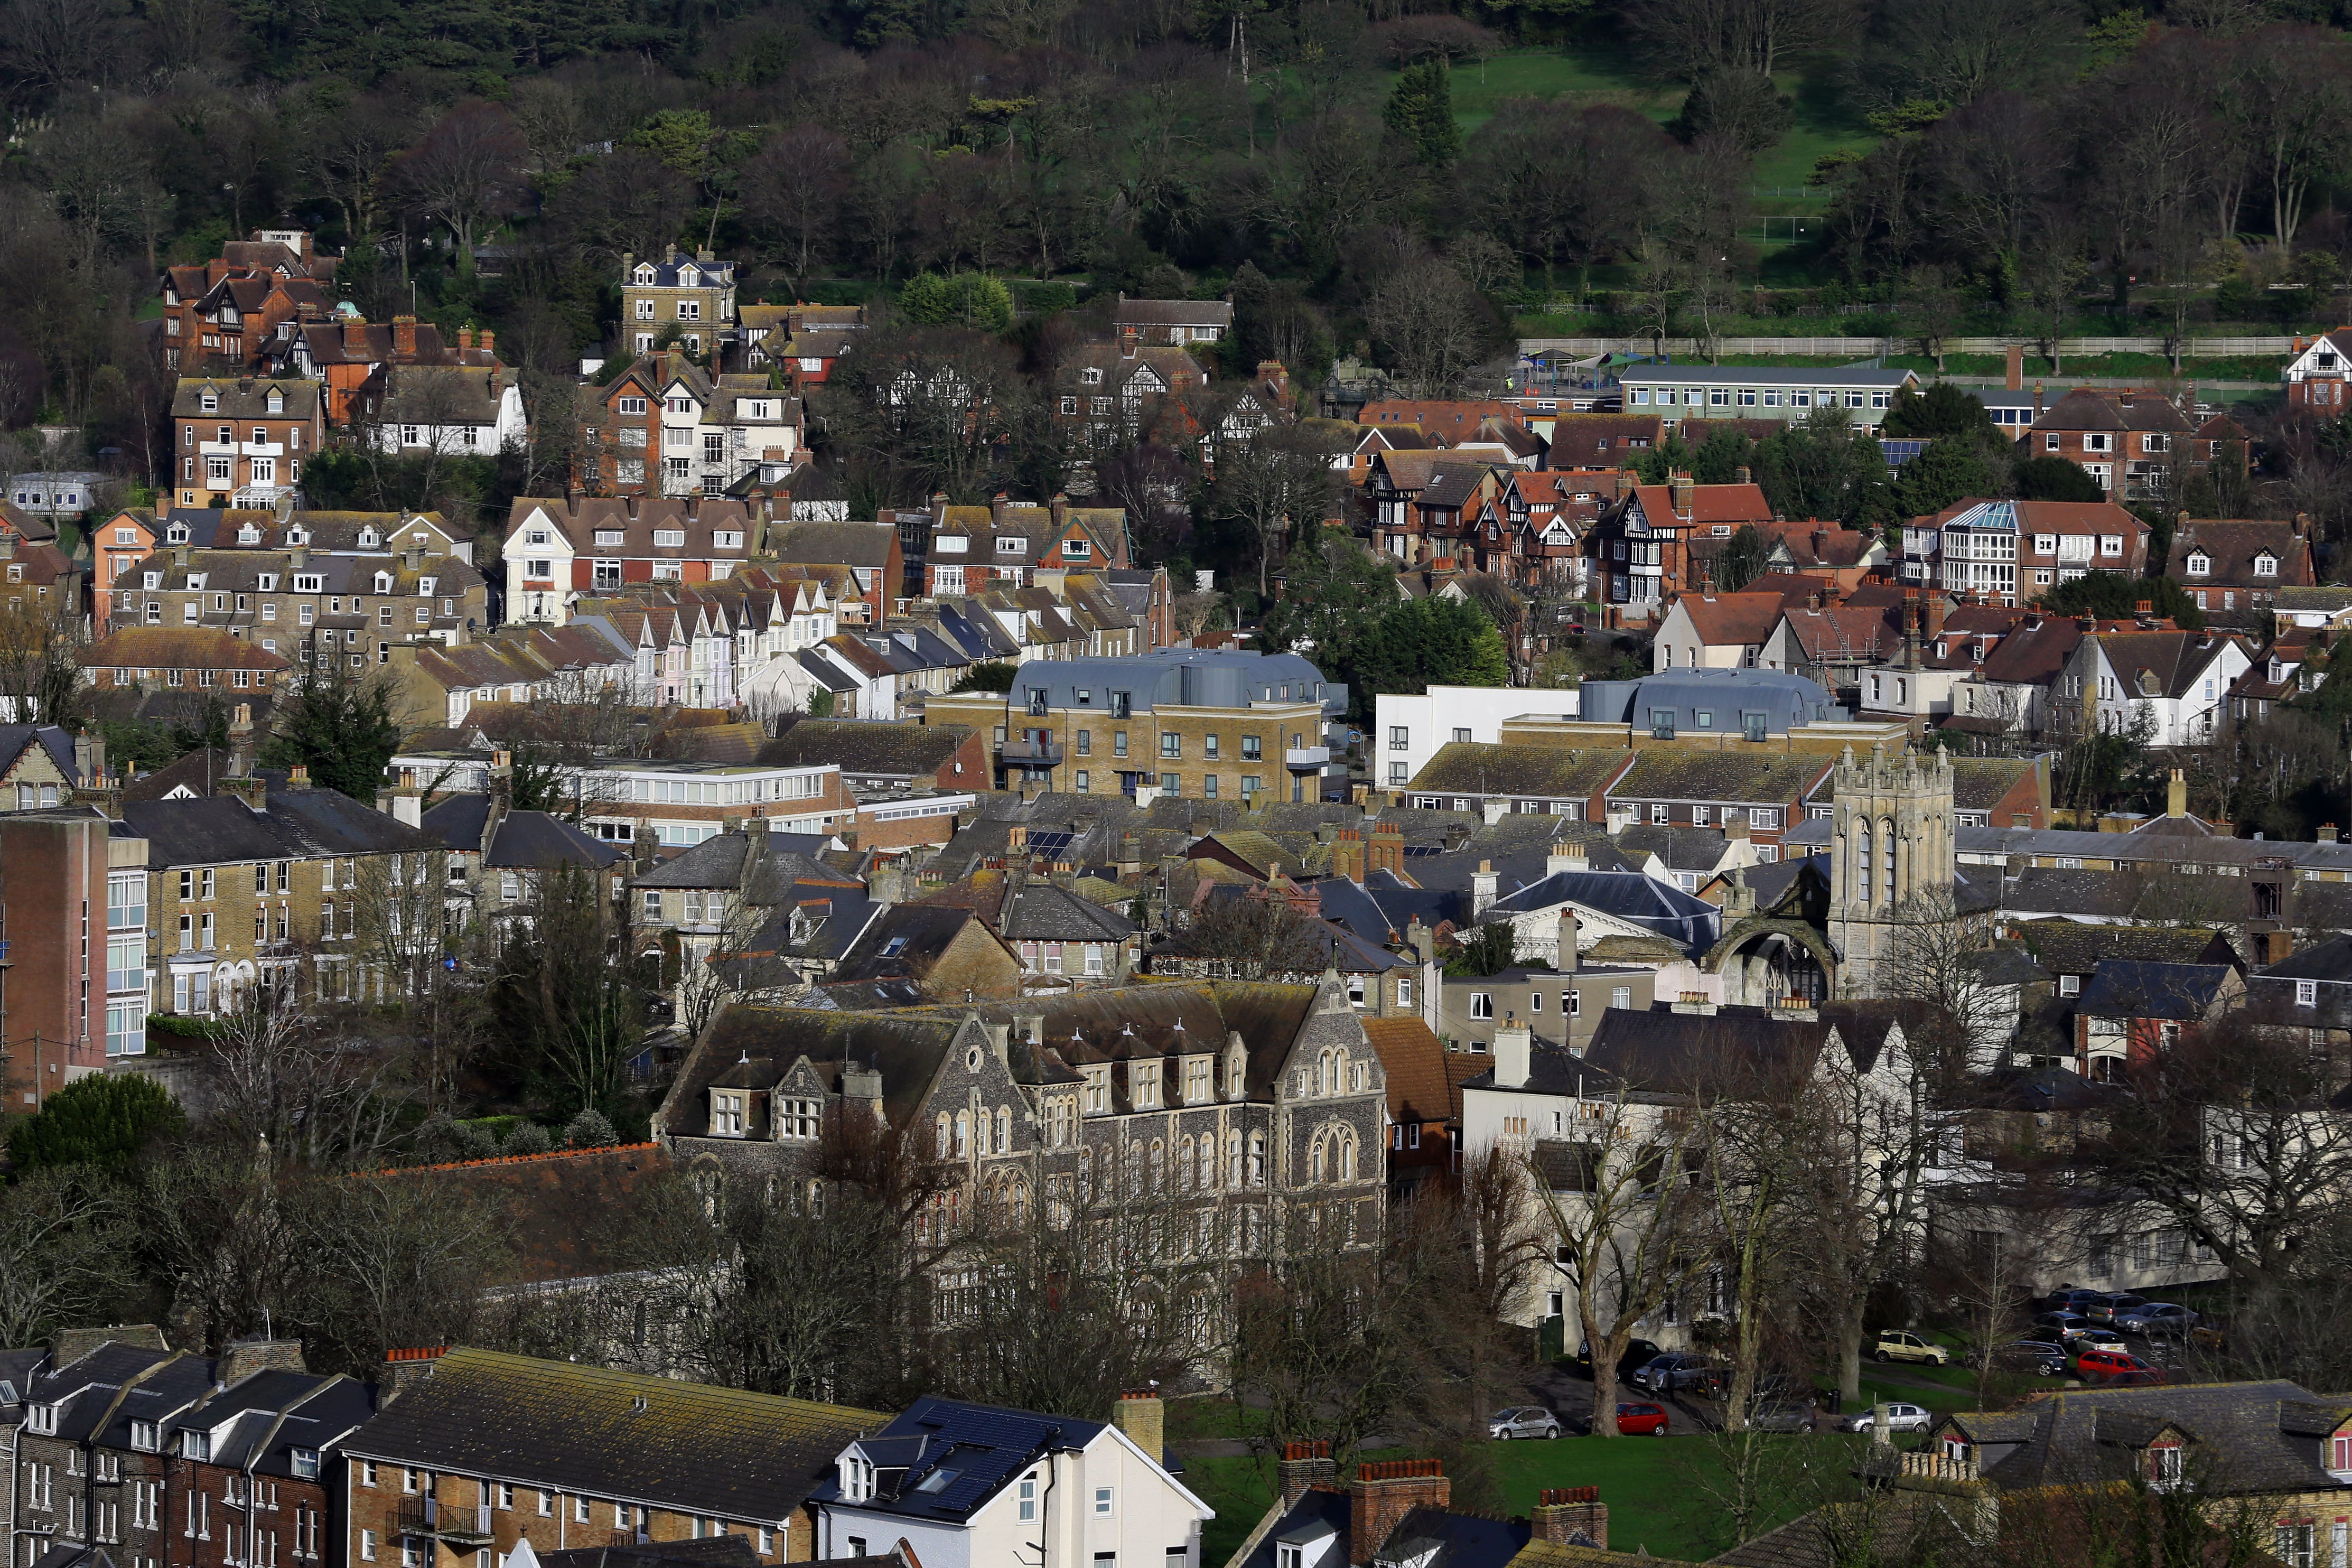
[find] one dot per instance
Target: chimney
(72, 1344)
(1142, 1415)
(240, 738)
(254, 791)
(1572, 1515)
(1482, 889)
(298, 776)
(465, 337)
(1514, 1051)
(1301, 1466)
(404, 336)
(89, 758)
(1678, 486)
(2016, 382)
(2037, 401)
(244, 1357)
(486, 340)
(1381, 1496)
(356, 335)
(1565, 961)
(2175, 794)
(1936, 608)
(404, 1369)
(1569, 856)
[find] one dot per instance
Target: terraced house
(1234, 1111)
(558, 548)
(304, 605)
(476, 1452)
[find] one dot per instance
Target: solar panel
(1049, 843)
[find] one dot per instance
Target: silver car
(1522, 1421)
(1900, 1418)
(2151, 1317)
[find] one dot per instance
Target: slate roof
(57, 741)
(1040, 911)
(2255, 1436)
(296, 825)
(866, 747)
(2139, 988)
(692, 1447)
(2071, 947)
(943, 1459)
(1628, 896)
(2230, 546)
(238, 398)
(731, 1551)
(1661, 773)
(1667, 1052)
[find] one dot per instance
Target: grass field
(1654, 1490)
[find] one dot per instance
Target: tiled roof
(1732, 619)
(1173, 312)
(2142, 988)
(2087, 408)
(141, 649)
(2160, 664)
(2241, 1430)
(244, 398)
(2230, 545)
(568, 1212)
(1661, 773)
(1415, 1062)
(1841, 633)
(1481, 768)
(944, 1459)
(834, 543)
(691, 1446)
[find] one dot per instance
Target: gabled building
(2127, 441)
(2319, 377)
(1012, 543)
(873, 551)
(1640, 549)
(2239, 564)
(1422, 502)
(1601, 443)
(666, 427)
(447, 411)
(2012, 552)
(232, 314)
(1170, 322)
(2176, 684)
(242, 442)
(693, 295)
(1109, 395)
(561, 547)
(193, 658)
(355, 361)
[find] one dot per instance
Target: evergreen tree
(103, 1119)
(1721, 456)
(2112, 595)
(1951, 469)
(2056, 479)
(1942, 410)
(1420, 111)
(337, 724)
(1742, 559)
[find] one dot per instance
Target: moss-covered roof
(1476, 767)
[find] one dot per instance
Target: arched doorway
(1765, 962)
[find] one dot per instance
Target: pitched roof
(1415, 1062)
(569, 1211)
(2251, 1433)
(2143, 988)
(1841, 632)
(694, 1448)
(2230, 546)
(242, 397)
(1173, 312)
(1731, 620)
(1552, 772)
(2105, 408)
(1040, 911)
(944, 1458)
(834, 543)
(177, 647)
(2160, 664)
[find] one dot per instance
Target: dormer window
(688, 278)
(856, 1478)
(2266, 564)
(298, 536)
(645, 273)
(276, 401)
(196, 580)
(2165, 1464)
(209, 403)
(2198, 563)
(268, 584)
(176, 534)
(2339, 1453)
(248, 534)
(370, 539)
(197, 1445)
(1012, 546)
(41, 1418)
(146, 1435)
(383, 581)
(425, 586)
(1090, 377)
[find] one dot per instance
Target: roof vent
(638, 1406)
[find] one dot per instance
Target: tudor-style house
(242, 442)
(695, 294)
(229, 313)
(2319, 377)
(1238, 1111)
(1108, 393)
(1008, 543)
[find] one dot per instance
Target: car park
(1641, 1421)
(2109, 1309)
(1675, 1370)
(2071, 1300)
(1901, 1344)
(1900, 1418)
(2098, 1340)
(2150, 1319)
(1522, 1421)
(2044, 1358)
(1638, 1353)
(2064, 1326)
(2115, 1366)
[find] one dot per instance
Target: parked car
(2110, 1310)
(1781, 1416)
(1638, 1353)
(2040, 1356)
(2114, 1366)
(2064, 1326)
(1641, 1421)
(1901, 1344)
(2153, 1318)
(1900, 1418)
(1522, 1421)
(2070, 1300)
(1675, 1370)
(2099, 1340)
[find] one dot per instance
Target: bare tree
(398, 1257)
(1433, 324)
(40, 639)
(66, 1248)
(1279, 481)
(464, 173)
(1629, 1222)
(287, 1074)
(793, 190)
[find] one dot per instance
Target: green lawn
(1650, 1487)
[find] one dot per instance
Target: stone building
(1235, 1110)
(1891, 858)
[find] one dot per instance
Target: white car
(1900, 1418)
(1522, 1421)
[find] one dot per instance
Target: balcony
(445, 1522)
(1032, 754)
(262, 449)
(1307, 759)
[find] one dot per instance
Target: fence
(1870, 348)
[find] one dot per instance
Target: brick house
(244, 440)
(874, 551)
(1601, 443)
(558, 548)
(1109, 395)
(159, 1457)
(1423, 503)
(356, 360)
(2319, 377)
(803, 340)
(476, 1451)
(192, 658)
(664, 426)
(2239, 564)
(228, 315)
(1012, 543)
(695, 294)
(1238, 1106)
(1640, 548)
(81, 1002)
(290, 601)
(2012, 552)
(2132, 442)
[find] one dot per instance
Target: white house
(2177, 682)
(971, 1486)
(451, 411)
(1408, 730)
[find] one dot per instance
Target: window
(2306, 993)
(1481, 1005)
(1620, 997)
(2070, 986)
(367, 1545)
(1171, 744)
(1028, 1499)
(1103, 1500)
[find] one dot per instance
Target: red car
(1641, 1421)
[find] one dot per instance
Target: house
(1640, 549)
(664, 426)
(2012, 690)
(679, 803)
(1061, 936)
(1679, 392)
(354, 607)
(559, 547)
(1421, 503)
(356, 361)
(1109, 395)
(436, 686)
(229, 312)
(241, 442)
(129, 1446)
(2011, 551)
(1012, 543)
(876, 757)
(449, 411)
(942, 952)
(1659, 919)
(1398, 1511)
(480, 1451)
(2229, 565)
(1563, 1006)
(871, 550)
(2318, 376)
(2132, 1007)
(2128, 441)
(1161, 322)
(1601, 443)
(692, 295)
(187, 657)
(968, 1486)
(2173, 683)
(117, 545)
(1716, 631)
(802, 339)
(57, 492)
(1424, 1105)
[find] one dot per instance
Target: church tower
(1891, 858)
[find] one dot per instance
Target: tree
(2111, 595)
(1261, 937)
(964, 299)
(567, 993)
(1432, 325)
(1721, 456)
(1420, 109)
(337, 724)
(1742, 559)
(1738, 107)
(1427, 642)
(1488, 950)
(398, 1257)
(68, 1245)
(1625, 1216)
(464, 172)
(1944, 409)
(791, 190)
(283, 1075)
(105, 1121)
(1823, 467)
(992, 675)
(40, 670)
(2056, 479)
(1279, 480)
(1950, 468)
(1332, 589)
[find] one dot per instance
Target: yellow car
(1897, 1345)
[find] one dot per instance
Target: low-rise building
(1679, 392)
(242, 442)
(2171, 686)
(693, 295)
(2239, 566)
(356, 361)
(2012, 552)
(558, 548)
(290, 602)
(1167, 321)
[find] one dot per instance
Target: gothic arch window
(1184, 1163)
(1347, 1158)
(1886, 857)
(963, 1134)
(1257, 1159)
(1323, 1074)
(1315, 1161)
(945, 1139)
(1208, 1166)
(1862, 861)
(1004, 1130)
(1234, 1158)
(1159, 1164)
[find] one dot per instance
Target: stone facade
(1891, 857)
